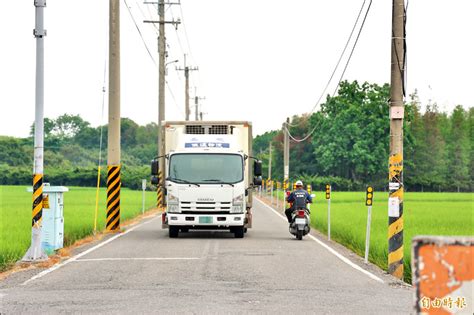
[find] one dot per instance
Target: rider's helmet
(299, 184)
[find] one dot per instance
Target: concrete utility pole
(286, 150)
(395, 204)
(186, 70)
(196, 104)
(35, 252)
(113, 141)
(270, 160)
(161, 87)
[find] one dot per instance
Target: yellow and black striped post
(159, 191)
(395, 216)
(37, 214)
(113, 198)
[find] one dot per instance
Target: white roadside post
(271, 191)
(278, 199)
(143, 195)
(309, 190)
(328, 197)
(369, 195)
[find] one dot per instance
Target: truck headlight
(173, 204)
(238, 204)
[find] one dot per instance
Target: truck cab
(208, 180)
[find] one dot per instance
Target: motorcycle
(300, 223)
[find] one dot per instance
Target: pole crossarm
(162, 22)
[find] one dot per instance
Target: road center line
(74, 258)
(331, 250)
(135, 258)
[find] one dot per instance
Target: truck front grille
(201, 206)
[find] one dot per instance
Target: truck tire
(239, 232)
(173, 231)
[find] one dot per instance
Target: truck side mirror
(155, 167)
(154, 180)
(257, 168)
(257, 181)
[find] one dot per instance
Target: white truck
(208, 178)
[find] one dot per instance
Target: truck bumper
(206, 220)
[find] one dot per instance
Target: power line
(343, 72)
(139, 32)
(338, 62)
(174, 99)
(340, 58)
(151, 56)
(186, 33)
(353, 47)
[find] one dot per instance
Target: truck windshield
(207, 168)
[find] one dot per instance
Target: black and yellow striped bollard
(37, 214)
(159, 191)
(113, 198)
(395, 216)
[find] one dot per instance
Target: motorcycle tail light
(301, 213)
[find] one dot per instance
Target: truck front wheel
(239, 232)
(173, 231)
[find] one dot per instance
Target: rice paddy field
(424, 214)
(79, 212)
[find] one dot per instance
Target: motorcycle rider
(299, 198)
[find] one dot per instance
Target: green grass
(79, 208)
(424, 214)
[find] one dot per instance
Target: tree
(458, 150)
(352, 132)
(67, 126)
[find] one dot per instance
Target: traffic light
(369, 195)
(328, 191)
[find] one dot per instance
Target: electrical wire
(353, 48)
(342, 75)
(340, 58)
(139, 32)
(338, 62)
(151, 56)
(174, 99)
(186, 33)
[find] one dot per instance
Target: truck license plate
(300, 221)
(205, 219)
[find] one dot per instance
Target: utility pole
(286, 150)
(35, 252)
(113, 147)
(186, 70)
(161, 88)
(270, 160)
(196, 104)
(395, 204)
(286, 158)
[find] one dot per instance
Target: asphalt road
(143, 271)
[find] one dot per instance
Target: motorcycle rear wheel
(299, 235)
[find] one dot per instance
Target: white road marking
(135, 258)
(74, 258)
(331, 250)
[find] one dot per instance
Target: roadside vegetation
(424, 214)
(349, 147)
(79, 209)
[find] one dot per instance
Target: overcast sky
(258, 60)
